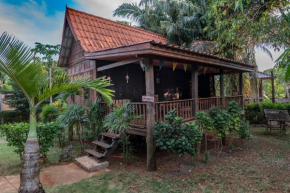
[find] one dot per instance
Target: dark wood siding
(123, 90)
(172, 84)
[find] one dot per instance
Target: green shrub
(46, 133)
(120, 118)
(177, 137)
(16, 135)
(48, 113)
(13, 117)
(221, 121)
(255, 112)
(95, 125)
(244, 130)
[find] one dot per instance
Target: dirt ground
(258, 164)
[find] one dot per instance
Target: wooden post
(150, 119)
(222, 88)
(194, 89)
(273, 86)
(241, 89)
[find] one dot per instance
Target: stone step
(111, 135)
(102, 144)
(90, 164)
(94, 153)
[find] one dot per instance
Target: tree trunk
(70, 133)
(29, 176)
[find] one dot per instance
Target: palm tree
(178, 20)
(16, 61)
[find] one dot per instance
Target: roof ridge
(153, 33)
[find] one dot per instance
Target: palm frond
(60, 83)
(264, 49)
(16, 62)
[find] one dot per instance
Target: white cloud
(29, 22)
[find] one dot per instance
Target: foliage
(221, 120)
(120, 118)
(95, 116)
(255, 112)
(206, 124)
(16, 134)
(204, 121)
(127, 148)
(177, 137)
(73, 116)
(244, 130)
(16, 61)
(12, 117)
(49, 113)
(180, 21)
(47, 132)
(279, 84)
(235, 116)
(16, 99)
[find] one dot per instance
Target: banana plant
(16, 61)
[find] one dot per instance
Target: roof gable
(95, 33)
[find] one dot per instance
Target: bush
(221, 121)
(16, 135)
(177, 137)
(244, 130)
(48, 113)
(46, 133)
(120, 118)
(13, 117)
(255, 112)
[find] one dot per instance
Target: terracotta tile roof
(96, 33)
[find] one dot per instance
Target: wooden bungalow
(141, 63)
(257, 97)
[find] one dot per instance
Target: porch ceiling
(171, 54)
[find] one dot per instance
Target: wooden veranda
(141, 63)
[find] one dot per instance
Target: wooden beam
(150, 119)
(194, 89)
(117, 64)
(222, 87)
(241, 88)
(273, 87)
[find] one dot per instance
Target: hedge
(255, 112)
(13, 117)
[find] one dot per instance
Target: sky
(42, 21)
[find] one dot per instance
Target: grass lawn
(10, 162)
(258, 165)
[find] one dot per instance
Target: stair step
(111, 135)
(94, 153)
(102, 144)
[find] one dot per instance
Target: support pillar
(273, 87)
(194, 89)
(241, 89)
(222, 88)
(150, 119)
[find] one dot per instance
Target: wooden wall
(172, 85)
(123, 90)
(76, 54)
(169, 85)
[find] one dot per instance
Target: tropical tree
(16, 61)
(178, 20)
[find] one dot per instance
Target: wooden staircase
(104, 148)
